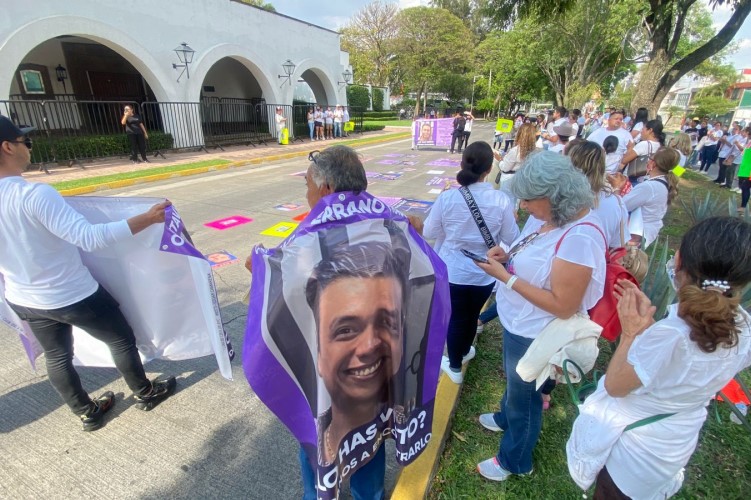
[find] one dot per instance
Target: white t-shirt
(726, 147)
(614, 217)
(550, 127)
(329, 116)
(338, 114)
(558, 148)
(645, 148)
(39, 236)
(738, 153)
(638, 128)
(652, 196)
(582, 245)
(677, 377)
(452, 226)
(280, 121)
(623, 135)
(713, 137)
(612, 162)
(468, 125)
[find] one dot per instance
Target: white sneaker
(736, 190)
(487, 421)
(479, 330)
(455, 377)
(491, 469)
(469, 356)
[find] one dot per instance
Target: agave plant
(698, 209)
(657, 284)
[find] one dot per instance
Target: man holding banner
(47, 285)
(345, 329)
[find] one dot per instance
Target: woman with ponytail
(652, 138)
(638, 431)
(455, 228)
(654, 194)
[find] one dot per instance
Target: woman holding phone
(453, 226)
(137, 134)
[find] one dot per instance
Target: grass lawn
(136, 174)
(719, 469)
(390, 123)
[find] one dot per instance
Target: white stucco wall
(145, 33)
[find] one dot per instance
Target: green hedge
(372, 115)
(92, 146)
(383, 119)
(377, 99)
(358, 96)
(369, 127)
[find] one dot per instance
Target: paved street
(214, 438)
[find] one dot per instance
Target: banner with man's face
(346, 326)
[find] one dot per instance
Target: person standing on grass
(638, 430)
(49, 288)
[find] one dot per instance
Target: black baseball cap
(10, 132)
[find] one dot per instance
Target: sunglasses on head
(313, 156)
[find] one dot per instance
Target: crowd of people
(582, 181)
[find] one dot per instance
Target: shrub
(48, 149)
(377, 99)
(371, 115)
(358, 96)
(370, 127)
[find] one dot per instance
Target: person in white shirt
(734, 159)
(652, 138)
(670, 369)
(682, 143)
(454, 228)
(311, 123)
(281, 123)
(710, 151)
(338, 117)
(549, 137)
(328, 118)
(318, 120)
(563, 133)
(725, 149)
(345, 120)
(640, 119)
(654, 195)
(524, 144)
(47, 285)
(609, 208)
(614, 127)
(612, 158)
(542, 281)
(469, 120)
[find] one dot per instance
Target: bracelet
(511, 281)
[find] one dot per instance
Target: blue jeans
(490, 313)
(311, 127)
(520, 415)
(365, 484)
(337, 129)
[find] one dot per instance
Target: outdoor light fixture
(347, 75)
(62, 75)
(185, 55)
(289, 68)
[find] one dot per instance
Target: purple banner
(175, 236)
(444, 162)
(433, 132)
(346, 326)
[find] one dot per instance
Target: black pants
(509, 142)
(457, 134)
(464, 138)
(606, 489)
(721, 172)
(708, 157)
(745, 184)
(137, 145)
(99, 315)
(466, 303)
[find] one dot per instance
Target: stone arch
(324, 89)
(210, 57)
(22, 41)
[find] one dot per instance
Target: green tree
(713, 106)
(472, 12)
(260, 4)
(377, 99)
(358, 96)
(665, 28)
(430, 42)
(368, 37)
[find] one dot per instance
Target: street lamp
(289, 68)
(62, 75)
(185, 55)
(472, 102)
(347, 75)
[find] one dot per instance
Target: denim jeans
(520, 415)
(337, 129)
(466, 303)
(365, 484)
(311, 127)
(490, 313)
(745, 184)
(99, 315)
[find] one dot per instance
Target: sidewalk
(237, 155)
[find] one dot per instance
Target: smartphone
(474, 256)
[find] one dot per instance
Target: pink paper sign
(226, 223)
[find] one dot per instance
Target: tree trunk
(417, 100)
(647, 92)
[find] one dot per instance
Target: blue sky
(334, 14)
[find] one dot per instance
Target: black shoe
(160, 390)
(92, 420)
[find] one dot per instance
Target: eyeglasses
(313, 156)
(26, 141)
(524, 243)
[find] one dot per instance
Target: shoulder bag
(638, 166)
(477, 216)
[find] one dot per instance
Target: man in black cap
(47, 285)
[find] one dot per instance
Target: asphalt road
(214, 438)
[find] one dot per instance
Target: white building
(53, 52)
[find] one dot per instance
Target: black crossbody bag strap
(477, 216)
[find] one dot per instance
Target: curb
(202, 170)
(414, 480)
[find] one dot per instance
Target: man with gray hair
(334, 170)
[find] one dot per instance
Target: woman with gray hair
(554, 269)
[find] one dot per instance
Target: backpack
(605, 312)
(460, 122)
